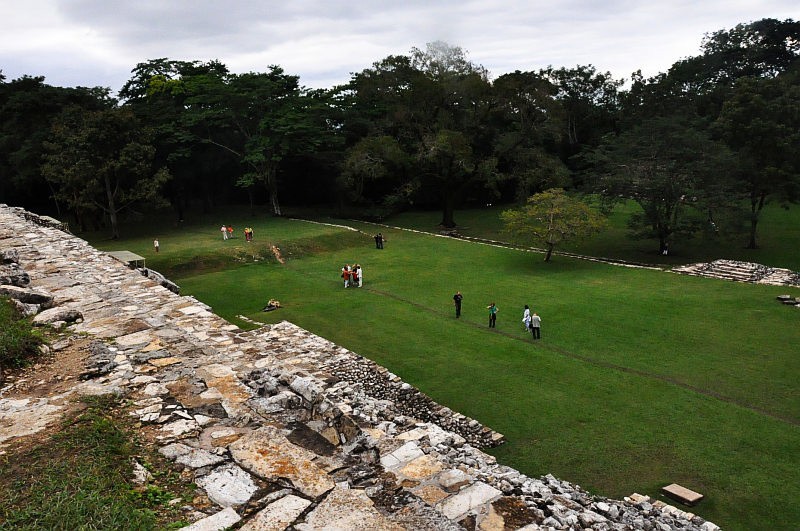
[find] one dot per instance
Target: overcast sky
(99, 42)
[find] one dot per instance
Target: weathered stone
(189, 456)
(468, 500)
(13, 275)
(224, 519)
(57, 314)
(453, 480)
(348, 509)
(269, 455)
(27, 295)
(278, 515)
(421, 468)
(228, 485)
(403, 455)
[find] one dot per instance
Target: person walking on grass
(536, 326)
(224, 231)
(359, 275)
(526, 318)
(492, 315)
(457, 301)
(155, 244)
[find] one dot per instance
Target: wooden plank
(682, 494)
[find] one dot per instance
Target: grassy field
(642, 378)
(778, 238)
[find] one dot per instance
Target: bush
(19, 341)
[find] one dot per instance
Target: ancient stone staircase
(742, 272)
(281, 429)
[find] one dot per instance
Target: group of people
(352, 275)
(227, 233)
(531, 320)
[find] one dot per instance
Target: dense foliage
(706, 144)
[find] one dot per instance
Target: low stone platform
(281, 429)
(682, 494)
(742, 272)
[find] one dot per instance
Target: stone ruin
(742, 272)
(281, 429)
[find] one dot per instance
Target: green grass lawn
(642, 378)
(778, 238)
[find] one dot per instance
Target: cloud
(98, 42)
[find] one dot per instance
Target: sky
(98, 42)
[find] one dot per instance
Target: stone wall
(280, 428)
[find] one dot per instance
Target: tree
(551, 218)
(662, 164)
(370, 163)
(529, 122)
(761, 123)
(102, 159)
(589, 101)
(261, 119)
(28, 107)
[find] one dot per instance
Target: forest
(700, 148)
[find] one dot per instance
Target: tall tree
(529, 121)
(761, 123)
(661, 164)
(589, 100)
(102, 159)
(261, 119)
(28, 107)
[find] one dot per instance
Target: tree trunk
(448, 212)
(112, 210)
(549, 252)
(756, 204)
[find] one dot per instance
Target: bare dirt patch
(39, 396)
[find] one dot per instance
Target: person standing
(492, 315)
(526, 319)
(536, 326)
(224, 231)
(457, 301)
(155, 244)
(359, 275)
(379, 241)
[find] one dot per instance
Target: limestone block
(403, 455)
(470, 499)
(421, 468)
(189, 456)
(308, 388)
(27, 296)
(228, 485)
(430, 494)
(278, 515)
(453, 480)
(349, 509)
(53, 315)
(178, 428)
(216, 522)
(268, 454)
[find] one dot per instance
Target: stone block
(470, 499)
(682, 494)
(268, 454)
(398, 458)
(228, 485)
(216, 522)
(278, 515)
(349, 509)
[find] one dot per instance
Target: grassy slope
(643, 378)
